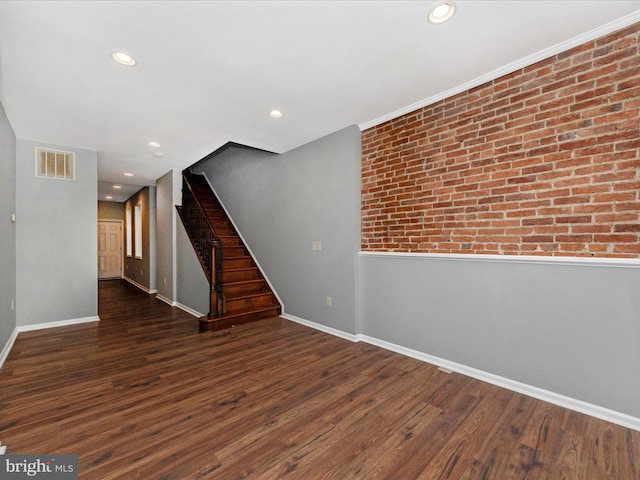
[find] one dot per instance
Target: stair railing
(206, 243)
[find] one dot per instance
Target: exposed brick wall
(543, 161)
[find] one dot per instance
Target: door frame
(121, 222)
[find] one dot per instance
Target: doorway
(110, 257)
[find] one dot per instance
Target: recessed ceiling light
(441, 12)
(127, 174)
(153, 144)
(124, 58)
(276, 114)
(117, 187)
(109, 197)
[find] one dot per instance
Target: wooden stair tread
(239, 314)
(237, 269)
(230, 320)
(248, 282)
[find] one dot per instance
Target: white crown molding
(510, 68)
(530, 259)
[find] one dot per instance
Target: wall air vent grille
(55, 164)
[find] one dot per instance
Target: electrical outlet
(164, 281)
(328, 301)
(316, 246)
(13, 304)
(140, 272)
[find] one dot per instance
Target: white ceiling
(208, 72)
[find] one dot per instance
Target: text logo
(49, 467)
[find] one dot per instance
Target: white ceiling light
(441, 12)
(276, 114)
(124, 58)
(109, 197)
(153, 144)
(117, 187)
(127, 174)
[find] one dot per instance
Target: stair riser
(234, 290)
(222, 228)
(245, 262)
(241, 304)
(209, 203)
(240, 275)
(224, 232)
(237, 251)
(215, 213)
(230, 241)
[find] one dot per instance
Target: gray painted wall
(192, 285)
(283, 203)
(569, 329)
(7, 229)
(56, 250)
(166, 199)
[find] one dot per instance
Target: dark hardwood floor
(143, 395)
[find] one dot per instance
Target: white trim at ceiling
(511, 67)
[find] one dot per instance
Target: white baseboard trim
(59, 323)
(140, 286)
(171, 303)
(190, 310)
(580, 406)
(7, 347)
(323, 328)
(535, 392)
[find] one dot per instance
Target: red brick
(631, 227)
(543, 161)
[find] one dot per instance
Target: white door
(109, 249)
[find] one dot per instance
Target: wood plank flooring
(143, 395)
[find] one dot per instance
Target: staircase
(239, 291)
